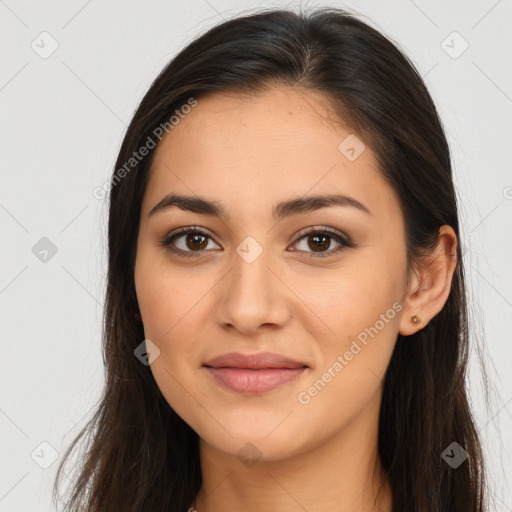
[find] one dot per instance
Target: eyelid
(321, 229)
(189, 229)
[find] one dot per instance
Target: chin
(266, 438)
(250, 450)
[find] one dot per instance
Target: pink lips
(254, 373)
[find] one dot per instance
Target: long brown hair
(141, 455)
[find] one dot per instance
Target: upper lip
(253, 361)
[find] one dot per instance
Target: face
(319, 286)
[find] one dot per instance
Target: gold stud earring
(416, 319)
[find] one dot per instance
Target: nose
(253, 297)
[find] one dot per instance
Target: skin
(248, 153)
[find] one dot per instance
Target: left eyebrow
(282, 210)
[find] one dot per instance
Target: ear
(430, 285)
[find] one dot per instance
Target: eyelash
(343, 240)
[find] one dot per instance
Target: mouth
(249, 381)
(254, 373)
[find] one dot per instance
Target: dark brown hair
(141, 455)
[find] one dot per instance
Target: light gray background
(62, 120)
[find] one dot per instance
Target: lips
(254, 373)
(253, 361)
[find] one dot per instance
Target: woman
(285, 324)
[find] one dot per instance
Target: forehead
(276, 119)
(248, 149)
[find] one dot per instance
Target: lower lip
(254, 381)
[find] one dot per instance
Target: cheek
(360, 310)
(172, 304)
(354, 360)
(351, 299)
(168, 304)
(167, 296)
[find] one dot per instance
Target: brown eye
(321, 242)
(187, 241)
(195, 241)
(192, 241)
